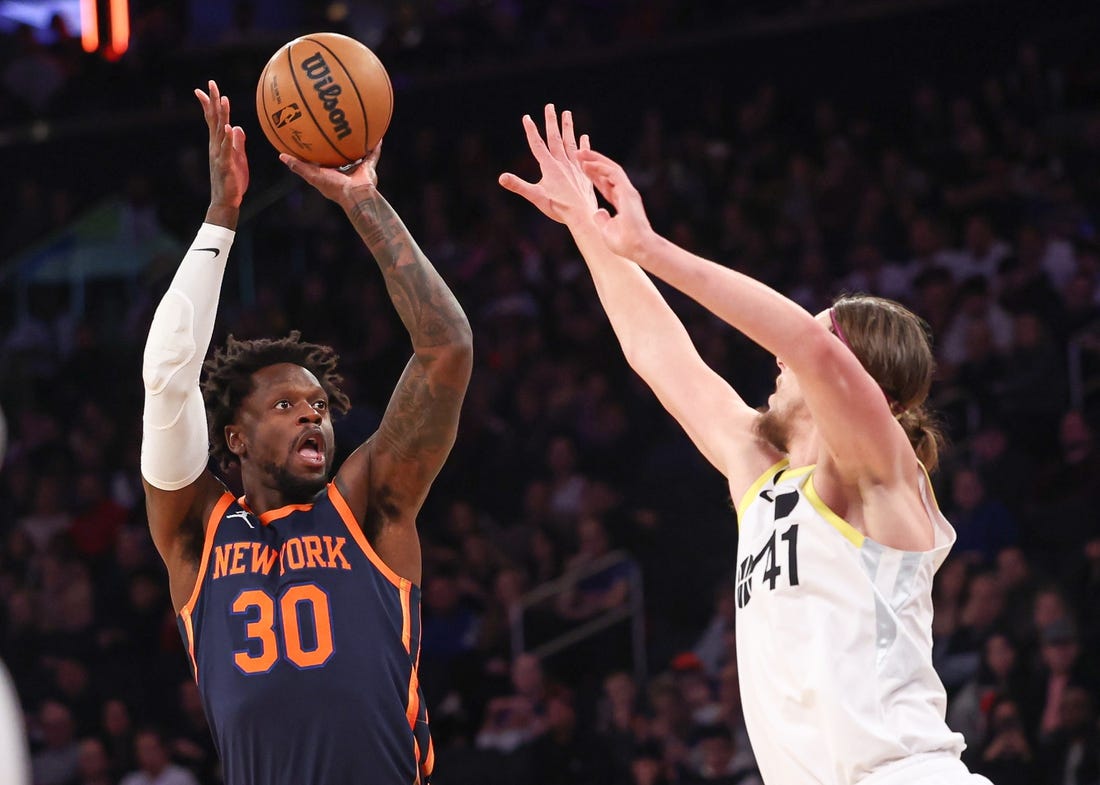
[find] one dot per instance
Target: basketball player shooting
(299, 602)
(840, 535)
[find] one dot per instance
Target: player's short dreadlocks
(229, 379)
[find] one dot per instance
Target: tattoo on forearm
(421, 420)
(426, 306)
(421, 416)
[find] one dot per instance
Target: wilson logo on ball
(319, 72)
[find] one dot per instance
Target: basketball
(324, 98)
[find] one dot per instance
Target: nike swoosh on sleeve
(214, 251)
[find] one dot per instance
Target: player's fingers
(586, 143)
(605, 169)
(568, 134)
(602, 217)
(299, 167)
(534, 141)
(603, 183)
(375, 154)
(517, 185)
(553, 135)
(215, 94)
(592, 156)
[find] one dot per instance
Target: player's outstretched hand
(337, 184)
(228, 162)
(564, 193)
(628, 231)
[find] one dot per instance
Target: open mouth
(311, 448)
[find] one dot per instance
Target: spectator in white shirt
(154, 765)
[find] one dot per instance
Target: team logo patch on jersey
(243, 515)
(784, 505)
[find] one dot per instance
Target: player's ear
(234, 440)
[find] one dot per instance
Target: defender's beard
(775, 428)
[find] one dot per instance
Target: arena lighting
(89, 25)
(120, 29)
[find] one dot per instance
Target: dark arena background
(578, 553)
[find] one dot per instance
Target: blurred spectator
(717, 760)
(984, 526)
(1008, 757)
(93, 765)
(55, 758)
(155, 767)
(594, 592)
(190, 739)
(47, 516)
(1062, 669)
(449, 632)
(983, 249)
(647, 766)
(619, 722)
(514, 720)
(957, 661)
(1001, 672)
(975, 305)
(1066, 492)
(1072, 752)
(117, 735)
(562, 754)
(713, 648)
(98, 518)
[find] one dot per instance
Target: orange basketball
(324, 98)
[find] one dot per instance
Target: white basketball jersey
(834, 640)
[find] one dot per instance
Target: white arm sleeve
(175, 446)
(14, 757)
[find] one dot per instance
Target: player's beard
(774, 427)
(295, 490)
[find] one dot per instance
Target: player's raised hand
(564, 193)
(339, 185)
(228, 162)
(628, 230)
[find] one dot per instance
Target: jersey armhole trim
(750, 494)
(356, 531)
(847, 530)
(212, 524)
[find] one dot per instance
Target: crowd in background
(976, 203)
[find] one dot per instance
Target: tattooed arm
(386, 480)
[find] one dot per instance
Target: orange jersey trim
(429, 762)
(406, 615)
(212, 524)
(190, 630)
(356, 530)
(277, 513)
(413, 705)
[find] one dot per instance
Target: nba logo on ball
(324, 98)
(286, 114)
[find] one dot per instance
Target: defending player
(299, 602)
(840, 535)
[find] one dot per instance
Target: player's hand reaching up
(335, 184)
(228, 162)
(564, 193)
(628, 231)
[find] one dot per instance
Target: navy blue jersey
(305, 645)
